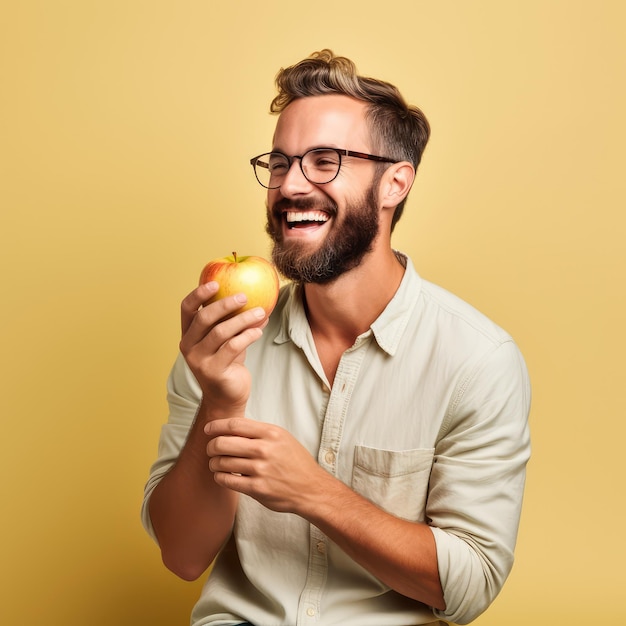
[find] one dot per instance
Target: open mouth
(303, 219)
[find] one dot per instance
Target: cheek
(273, 196)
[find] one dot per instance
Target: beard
(343, 248)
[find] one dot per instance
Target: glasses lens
(321, 165)
(271, 168)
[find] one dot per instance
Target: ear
(396, 184)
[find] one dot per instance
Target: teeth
(306, 216)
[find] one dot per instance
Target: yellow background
(125, 133)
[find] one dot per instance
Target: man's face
(321, 231)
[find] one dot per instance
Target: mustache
(302, 204)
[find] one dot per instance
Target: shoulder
(440, 306)
(460, 339)
(440, 312)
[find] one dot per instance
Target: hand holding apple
(251, 275)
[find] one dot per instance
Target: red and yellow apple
(251, 275)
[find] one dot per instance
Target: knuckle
(232, 423)
(197, 299)
(208, 430)
(272, 435)
(218, 447)
(220, 334)
(190, 303)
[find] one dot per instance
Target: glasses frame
(254, 161)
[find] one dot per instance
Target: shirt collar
(294, 325)
(387, 329)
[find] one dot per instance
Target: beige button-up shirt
(427, 418)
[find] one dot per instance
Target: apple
(252, 275)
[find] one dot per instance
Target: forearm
(400, 553)
(267, 463)
(192, 516)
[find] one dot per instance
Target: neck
(342, 310)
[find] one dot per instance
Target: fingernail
(241, 298)
(259, 312)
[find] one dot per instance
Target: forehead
(331, 120)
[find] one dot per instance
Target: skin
(193, 507)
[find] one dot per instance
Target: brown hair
(399, 130)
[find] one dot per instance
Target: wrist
(323, 496)
(195, 446)
(211, 410)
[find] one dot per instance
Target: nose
(295, 182)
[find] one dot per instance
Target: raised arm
(190, 514)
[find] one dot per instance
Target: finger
(211, 335)
(234, 350)
(234, 427)
(194, 300)
(211, 319)
(231, 465)
(231, 446)
(198, 301)
(234, 482)
(219, 314)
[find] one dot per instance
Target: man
(359, 457)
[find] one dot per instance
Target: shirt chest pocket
(396, 481)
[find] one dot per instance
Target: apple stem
(235, 256)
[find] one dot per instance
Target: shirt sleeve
(183, 397)
(477, 481)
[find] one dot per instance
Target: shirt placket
(309, 608)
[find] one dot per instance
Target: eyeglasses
(319, 165)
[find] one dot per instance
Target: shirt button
(310, 612)
(321, 547)
(329, 457)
